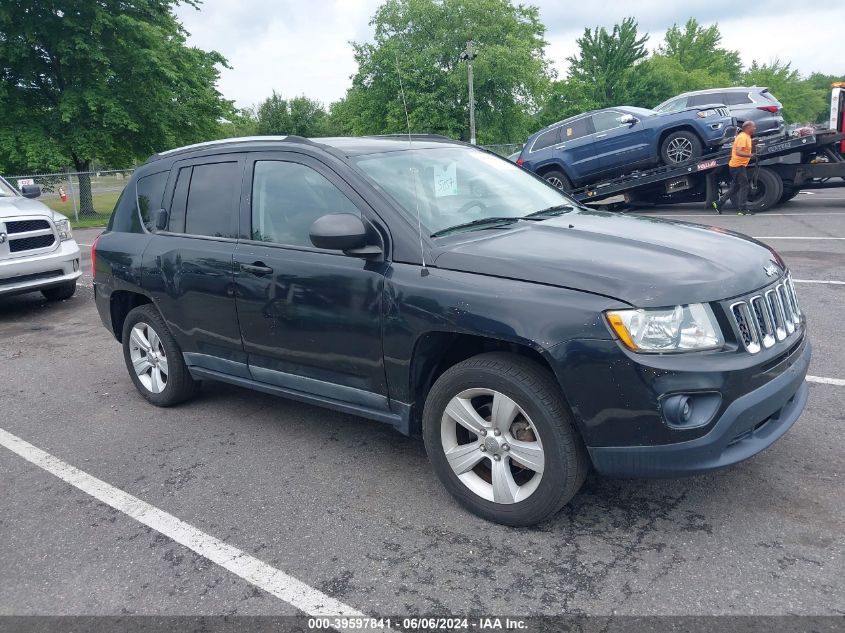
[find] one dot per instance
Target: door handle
(257, 268)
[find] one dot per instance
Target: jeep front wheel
(680, 147)
(501, 440)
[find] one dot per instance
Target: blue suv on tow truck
(605, 143)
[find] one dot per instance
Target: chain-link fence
(79, 195)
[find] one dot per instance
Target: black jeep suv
(445, 291)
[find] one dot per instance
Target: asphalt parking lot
(352, 509)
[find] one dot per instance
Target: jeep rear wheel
(558, 179)
(154, 359)
(501, 440)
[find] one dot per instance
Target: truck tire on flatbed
(766, 193)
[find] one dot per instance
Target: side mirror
(31, 191)
(161, 220)
(342, 232)
(628, 119)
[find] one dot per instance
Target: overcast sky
(302, 47)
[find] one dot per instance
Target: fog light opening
(75, 265)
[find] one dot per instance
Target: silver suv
(746, 104)
(37, 249)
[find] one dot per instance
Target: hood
(16, 205)
(644, 261)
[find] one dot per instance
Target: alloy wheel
(554, 181)
(149, 359)
(492, 446)
(679, 149)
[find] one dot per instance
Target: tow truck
(782, 167)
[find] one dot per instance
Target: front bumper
(36, 272)
(749, 425)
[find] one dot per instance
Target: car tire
(765, 194)
(680, 147)
(464, 460)
(789, 192)
(60, 293)
(154, 360)
(558, 179)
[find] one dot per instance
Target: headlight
(63, 227)
(690, 327)
(706, 113)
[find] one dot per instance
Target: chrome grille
(25, 234)
(764, 319)
(723, 111)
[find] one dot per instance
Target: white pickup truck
(37, 249)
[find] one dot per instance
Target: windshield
(452, 186)
(6, 189)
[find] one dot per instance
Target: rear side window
(737, 98)
(138, 203)
(212, 192)
(546, 139)
(576, 129)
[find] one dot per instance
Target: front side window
(211, 208)
(286, 200)
(708, 98)
(450, 186)
(604, 121)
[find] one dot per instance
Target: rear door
(310, 318)
(188, 268)
(576, 148)
(619, 145)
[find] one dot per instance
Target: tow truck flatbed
(697, 180)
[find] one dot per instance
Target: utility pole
(468, 55)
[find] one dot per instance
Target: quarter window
(546, 139)
(150, 192)
(211, 208)
(736, 98)
(287, 198)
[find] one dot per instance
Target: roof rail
(228, 141)
(401, 135)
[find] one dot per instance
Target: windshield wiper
(549, 212)
(480, 222)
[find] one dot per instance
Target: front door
(310, 318)
(619, 145)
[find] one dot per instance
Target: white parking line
(256, 572)
(819, 281)
(827, 381)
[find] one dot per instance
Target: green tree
(421, 41)
(299, 116)
(111, 81)
(603, 72)
(696, 48)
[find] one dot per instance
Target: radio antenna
(413, 172)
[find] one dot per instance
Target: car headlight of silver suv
(682, 328)
(63, 228)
